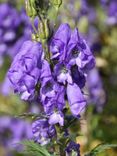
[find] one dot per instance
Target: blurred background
(97, 23)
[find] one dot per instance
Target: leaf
(100, 148)
(34, 149)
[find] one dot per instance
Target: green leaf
(34, 149)
(100, 148)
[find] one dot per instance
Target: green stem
(47, 53)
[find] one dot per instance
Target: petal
(56, 118)
(63, 33)
(75, 98)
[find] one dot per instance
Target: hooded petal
(59, 41)
(75, 98)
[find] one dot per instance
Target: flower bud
(31, 12)
(56, 3)
(43, 29)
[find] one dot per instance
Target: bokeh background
(97, 23)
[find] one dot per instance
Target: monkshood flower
(74, 60)
(76, 99)
(68, 47)
(63, 74)
(24, 35)
(51, 93)
(24, 72)
(6, 16)
(9, 20)
(56, 106)
(96, 89)
(12, 131)
(47, 82)
(56, 117)
(93, 39)
(78, 76)
(113, 8)
(59, 42)
(110, 7)
(14, 29)
(87, 10)
(79, 53)
(112, 12)
(72, 146)
(54, 99)
(48, 87)
(54, 102)
(42, 131)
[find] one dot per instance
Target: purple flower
(9, 22)
(74, 60)
(45, 71)
(72, 146)
(63, 74)
(60, 97)
(79, 53)
(57, 102)
(113, 8)
(110, 7)
(53, 97)
(48, 89)
(12, 131)
(59, 41)
(96, 90)
(56, 117)
(14, 30)
(9, 16)
(24, 72)
(47, 82)
(73, 50)
(21, 130)
(51, 93)
(42, 131)
(112, 12)
(78, 76)
(88, 11)
(76, 99)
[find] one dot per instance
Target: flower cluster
(73, 146)
(88, 10)
(110, 7)
(25, 69)
(96, 89)
(32, 75)
(13, 130)
(12, 35)
(42, 131)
